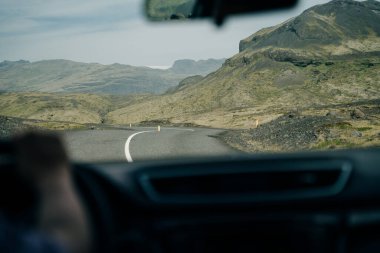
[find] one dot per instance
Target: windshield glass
(121, 88)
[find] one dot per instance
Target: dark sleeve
(14, 239)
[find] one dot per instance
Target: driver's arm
(61, 214)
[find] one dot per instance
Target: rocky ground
(10, 126)
(341, 126)
(329, 127)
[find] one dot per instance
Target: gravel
(288, 132)
(10, 126)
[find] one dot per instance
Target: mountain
(185, 83)
(74, 77)
(333, 30)
(201, 67)
(330, 54)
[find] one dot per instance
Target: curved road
(144, 143)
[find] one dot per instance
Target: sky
(116, 31)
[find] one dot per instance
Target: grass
(342, 125)
(344, 135)
(363, 129)
(52, 125)
(55, 107)
(332, 144)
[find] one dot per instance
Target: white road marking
(126, 147)
(171, 128)
(128, 142)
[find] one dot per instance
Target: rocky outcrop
(330, 24)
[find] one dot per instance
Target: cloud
(31, 17)
(109, 31)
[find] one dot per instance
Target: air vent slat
(244, 183)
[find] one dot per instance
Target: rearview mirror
(160, 10)
(164, 10)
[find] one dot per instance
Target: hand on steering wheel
(42, 165)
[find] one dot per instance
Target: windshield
(121, 88)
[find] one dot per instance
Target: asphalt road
(144, 143)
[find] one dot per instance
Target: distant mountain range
(329, 54)
(76, 77)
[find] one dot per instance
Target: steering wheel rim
(96, 204)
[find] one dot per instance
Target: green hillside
(79, 108)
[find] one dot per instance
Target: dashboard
(304, 202)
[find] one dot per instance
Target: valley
(311, 82)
